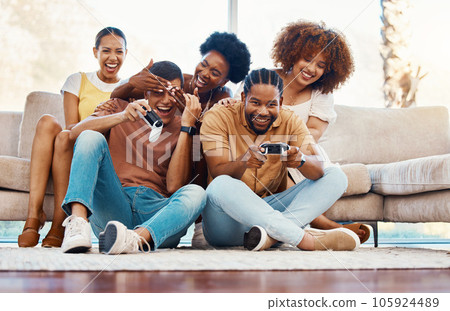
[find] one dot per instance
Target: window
(260, 21)
(43, 45)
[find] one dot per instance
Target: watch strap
(191, 130)
(302, 161)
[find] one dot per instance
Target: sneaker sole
(353, 235)
(345, 231)
(107, 239)
(78, 249)
(82, 247)
(254, 239)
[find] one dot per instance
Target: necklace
(293, 94)
(208, 103)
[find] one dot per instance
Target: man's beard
(250, 119)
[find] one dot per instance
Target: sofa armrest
(358, 179)
(9, 139)
(37, 104)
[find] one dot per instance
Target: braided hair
(263, 76)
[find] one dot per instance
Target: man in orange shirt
(247, 202)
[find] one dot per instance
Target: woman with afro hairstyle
(313, 61)
(224, 58)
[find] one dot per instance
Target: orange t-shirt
(138, 162)
(225, 131)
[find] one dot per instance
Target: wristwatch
(302, 160)
(191, 130)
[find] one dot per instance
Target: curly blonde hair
(306, 39)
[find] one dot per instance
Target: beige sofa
(15, 151)
(406, 153)
(397, 161)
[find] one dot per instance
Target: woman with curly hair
(313, 61)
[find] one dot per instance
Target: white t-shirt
(73, 83)
(320, 106)
(123, 81)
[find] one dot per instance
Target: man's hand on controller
(130, 112)
(253, 158)
(293, 157)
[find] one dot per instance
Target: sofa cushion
(15, 174)
(14, 205)
(433, 206)
(382, 135)
(411, 176)
(358, 179)
(37, 104)
(357, 208)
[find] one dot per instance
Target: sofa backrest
(9, 139)
(382, 135)
(37, 104)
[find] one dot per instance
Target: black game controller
(152, 118)
(154, 122)
(274, 148)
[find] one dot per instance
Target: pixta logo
(139, 148)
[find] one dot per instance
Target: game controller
(274, 148)
(155, 123)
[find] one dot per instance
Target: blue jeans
(94, 183)
(232, 208)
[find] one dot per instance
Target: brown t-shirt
(225, 130)
(138, 162)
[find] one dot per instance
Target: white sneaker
(340, 239)
(257, 239)
(118, 239)
(198, 239)
(77, 236)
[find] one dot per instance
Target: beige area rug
(186, 259)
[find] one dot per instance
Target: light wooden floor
(359, 281)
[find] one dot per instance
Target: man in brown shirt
(247, 201)
(121, 181)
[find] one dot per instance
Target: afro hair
(234, 51)
(305, 39)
